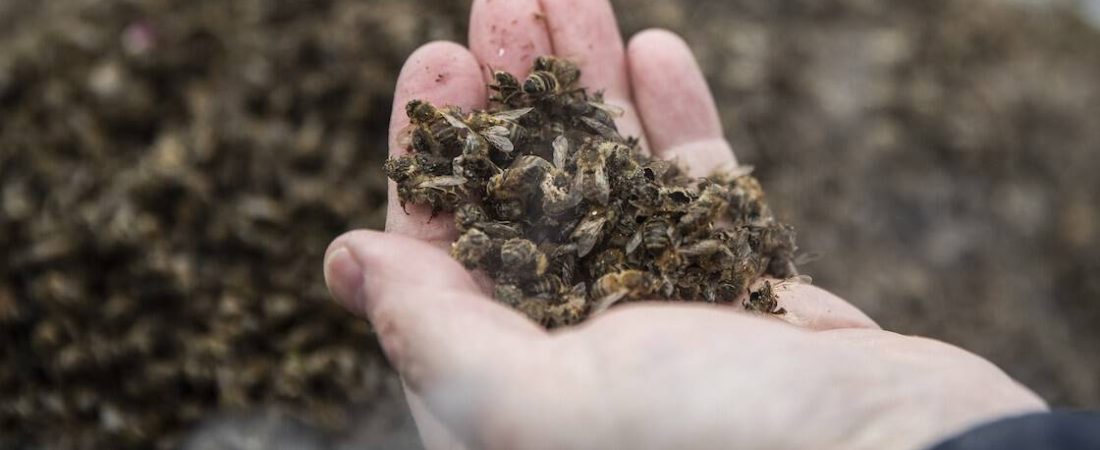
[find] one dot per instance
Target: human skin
(644, 375)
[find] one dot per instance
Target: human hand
(641, 375)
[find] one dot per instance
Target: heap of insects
(568, 217)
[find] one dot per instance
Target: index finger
(443, 73)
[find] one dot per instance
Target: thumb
(431, 318)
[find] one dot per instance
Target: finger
(813, 308)
(675, 104)
(431, 320)
(586, 32)
(507, 35)
(442, 73)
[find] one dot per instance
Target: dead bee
(421, 112)
(508, 90)
(689, 285)
(541, 84)
(745, 195)
(535, 308)
(614, 287)
(778, 242)
(474, 163)
(557, 195)
(703, 212)
(563, 260)
(590, 230)
(564, 70)
(513, 187)
(475, 250)
(523, 259)
(765, 300)
(591, 180)
(500, 129)
(471, 216)
(728, 290)
(405, 167)
(608, 261)
(658, 233)
(570, 311)
(605, 130)
(430, 129)
(440, 193)
(709, 253)
(548, 286)
(595, 108)
(676, 198)
(623, 164)
(558, 198)
(551, 77)
(669, 263)
(509, 294)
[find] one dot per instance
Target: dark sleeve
(1064, 430)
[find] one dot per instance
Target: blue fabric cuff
(1060, 430)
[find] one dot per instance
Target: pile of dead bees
(568, 217)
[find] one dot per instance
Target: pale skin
(644, 375)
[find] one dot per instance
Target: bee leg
(436, 208)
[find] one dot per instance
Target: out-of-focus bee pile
(569, 217)
(170, 174)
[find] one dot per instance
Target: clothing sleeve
(1064, 430)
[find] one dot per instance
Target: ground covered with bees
(172, 170)
(568, 217)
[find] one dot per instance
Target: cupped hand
(649, 375)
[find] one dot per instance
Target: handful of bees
(568, 217)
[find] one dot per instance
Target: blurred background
(172, 170)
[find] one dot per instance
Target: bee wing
(474, 145)
(501, 142)
(635, 241)
(513, 114)
(579, 289)
(496, 130)
(454, 121)
(701, 248)
(405, 136)
(604, 130)
(738, 172)
(603, 187)
(598, 179)
(587, 234)
(797, 279)
(806, 258)
(800, 279)
(442, 182)
(608, 301)
(741, 171)
(561, 151)
(612, 110)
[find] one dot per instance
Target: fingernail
(344, 276)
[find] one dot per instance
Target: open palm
(643, 375)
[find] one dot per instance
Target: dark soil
(171, 171)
